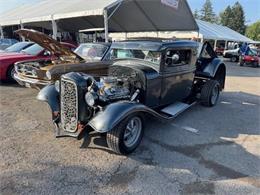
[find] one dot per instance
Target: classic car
(33, 52)
(4, 43)
(17, 47)
(156, 78)
(252, 58)
(41, 72)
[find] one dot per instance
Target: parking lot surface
(203, 151)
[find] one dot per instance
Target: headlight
(57, 85)
(34, 73)
(90, 98)
(48, 75)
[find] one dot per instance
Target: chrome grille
(27, 69)
(69, 105)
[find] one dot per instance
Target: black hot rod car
(155, 78)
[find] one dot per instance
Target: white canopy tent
(112, 15)
(218, 32)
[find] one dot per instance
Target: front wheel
(127, 135)
(10, 73)
(210, 93)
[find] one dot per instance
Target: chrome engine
(113, 88)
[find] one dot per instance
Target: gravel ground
(204, 151)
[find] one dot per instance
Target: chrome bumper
(31, 83)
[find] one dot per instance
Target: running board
(176, 108)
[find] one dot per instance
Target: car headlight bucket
(57, 85)
(90, 98)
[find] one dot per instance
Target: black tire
(255, 64)
(234, 59)
(10, 73)
(210, 93)
(116, 137)
(241, 63)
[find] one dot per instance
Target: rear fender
(114, 113)
(217, 70)
(50, 95)
(212, 67)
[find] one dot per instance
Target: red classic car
(34, 52)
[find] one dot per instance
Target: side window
(177, 58)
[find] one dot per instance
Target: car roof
(154, 45)
(96, 43)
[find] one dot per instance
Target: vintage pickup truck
(58, 60)
(155, 78)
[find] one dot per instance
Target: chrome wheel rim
(132, 131)
(215, 94)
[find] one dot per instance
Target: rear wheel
(210, 93)
(127, 135)
(234, 59)
(255, 64)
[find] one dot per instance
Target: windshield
(91, 52)
(33, 50)
(253, 52)
(151, 56)
(17, 47)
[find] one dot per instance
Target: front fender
(50, 95)
(114, 113)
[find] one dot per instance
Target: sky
(251, 7)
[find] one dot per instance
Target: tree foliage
(196, 14)
(206, 13)
(234, 18)
(239, 18)
(253, 31)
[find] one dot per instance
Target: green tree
(207, 13)
(253, 31)
(196, 14)
(226, 17)
(238, 18)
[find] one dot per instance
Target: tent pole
(226, 44)
(215, 45)
(106, 25)
(1, 32)
(22, 27)
(54, 28)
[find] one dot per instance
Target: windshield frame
(90, 45)
(108, 55)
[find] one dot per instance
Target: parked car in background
(219, 51)
(4, 43)
(155, 78)
(41, 72)
(233, 54)
(17, 47)
(252, 58)
(31, 53)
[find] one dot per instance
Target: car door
(178, 75)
